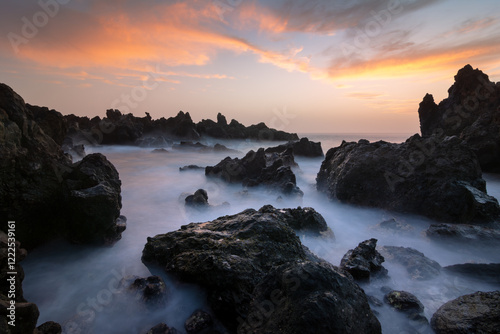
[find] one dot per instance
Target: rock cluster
(258, 275)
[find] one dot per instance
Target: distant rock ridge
(118, 128)
(471, 112)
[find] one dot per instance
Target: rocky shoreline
(258, 276)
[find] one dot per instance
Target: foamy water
(68, 281)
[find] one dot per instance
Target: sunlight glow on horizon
(361, 66)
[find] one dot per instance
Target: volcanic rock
(471, 112)
(438, 179)
(303, 147)
(364, 261)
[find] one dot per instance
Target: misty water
(76, 285)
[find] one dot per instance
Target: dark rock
(198, 199)
(309, 297)
(49, 327)
(258, 168)
(152, 290)
(364, 261)
(47, 195)
(304, 147)
(76, 151)
(189, 145)
(199, 322)
(162, 328)
(459, 233)
(487, 273)
(409, 304)
(471, 112)
(475, 313)
(221, 120)
(418, 266)
(52, 122)
(94, 201)
(404, 301)
(438, 179)
(191, 167)
(153, 141)
(302, 220)
(231, 255)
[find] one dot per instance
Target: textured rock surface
(438, 179)
(484, 272)
(231, 255)
(418, 266)
(475, 313)
(471, 111)
(364, 261)
(42, 190)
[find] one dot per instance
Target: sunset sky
(299, 66)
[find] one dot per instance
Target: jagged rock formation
(258, 168)
(42, 190)
(364, 261)
(241, 259)
(128, 129)
(471, 112)
(440, 179)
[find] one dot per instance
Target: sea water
(79, 286)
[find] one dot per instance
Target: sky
(323, 66)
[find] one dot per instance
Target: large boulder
(308, 298)
(232, 255)
(483, 272)
(475, 313)
(259, 168)
(439, 179)
(51, 121)
(43, 191)
(471, 111)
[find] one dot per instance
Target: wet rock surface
(199, 322)
(364, 262)
(418, 266)
(471, 112)
(258, 168)
(232, 255)
(43, 191)
(474, 313)
(438, 179)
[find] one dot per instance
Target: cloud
(364, 95)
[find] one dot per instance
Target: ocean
(75, 284)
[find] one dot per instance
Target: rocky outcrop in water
(43, 191)
(460, 233)
(303, 147)
(438, 179)
(258, 168)
(198, 199)
(258, 275)
(364, 261)
(418, 266)
(471, 111)
(475, 313)
(484, 272)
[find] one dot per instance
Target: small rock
(198, 199)
(190, 167)
(159, 150)
(162, 328)
(418, 266)
(49, 327)
(199, 322)
(364, 261)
